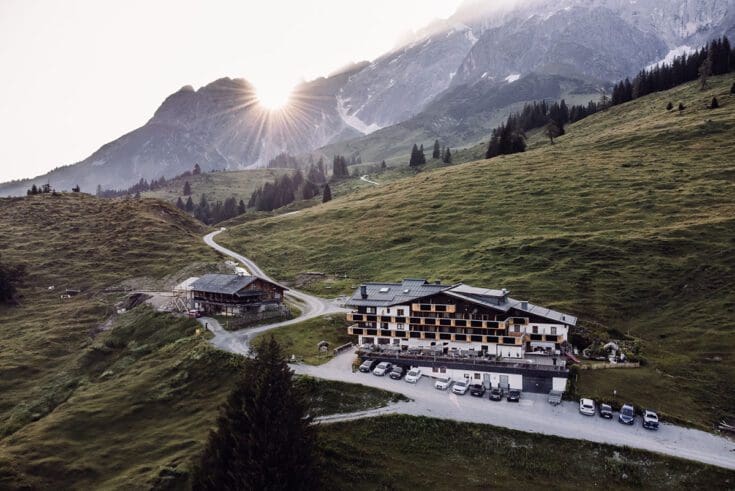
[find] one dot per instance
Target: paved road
(237, 341)
(365, 178)
(533, 414)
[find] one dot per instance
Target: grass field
(628, 221)
(404, 452)
(301, 339)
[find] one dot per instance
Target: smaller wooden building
(232, 294)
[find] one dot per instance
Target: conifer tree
(421, 155)
(705, 70)
(447, 157)
(437, 154)
(414, 160)
(327, 194)
(76, 189)
(669, 106)
(264, 437)
(714, 104)
(187, 189)
(189, 206)
(179, 204)
(732, 89)
(384, 166)
(681, 106)
(197, 170)
(241, 207)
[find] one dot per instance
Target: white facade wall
(559, 384)
(514, 381)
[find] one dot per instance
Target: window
(400, 326)
(384, 325)
(443, 370)
(387, 311)
(385, 289)
(434, 369)
(553, 330)
(399, 311)
(370, 310)
(535, 329)
(477, 376)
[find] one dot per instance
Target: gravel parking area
(533, 414)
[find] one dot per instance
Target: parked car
(587, 407)
(396, 373)
(627, 414)
(496, 394)
(650, 420)
(382, 368)
(368, 365)
(477, 390)
(606, 411)
(194, 314)
(443, 383)
(461, 386)
(514, 395)
(413, 375)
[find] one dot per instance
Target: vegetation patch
(406, 452)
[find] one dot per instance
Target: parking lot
(534, 414)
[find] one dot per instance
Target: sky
(79, 73)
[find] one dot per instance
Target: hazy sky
(79, 73)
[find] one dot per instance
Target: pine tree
(241, 207)
(179, 204)
(187, 189)
(189, 206)
(681, 106)
(76, 189)
(384, 166)
(327, 194)
(197, 170)
(447, 157)
(421, 155)
(414, 160)
(669, 106)
(437, 154)
(264, 438)
(714, 104)
(732, 89)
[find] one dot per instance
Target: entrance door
(486, 381)
(504, 382)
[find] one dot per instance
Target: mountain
(219, 126)
(413, 93)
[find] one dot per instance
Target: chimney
(363, 291)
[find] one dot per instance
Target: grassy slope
(301, 339)
(402, 452)
(628, 221)
(218, 186)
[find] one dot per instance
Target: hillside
(626, 222)
(217, 186)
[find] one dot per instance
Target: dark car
(496, 394)
(477, 390)
(368, 365)
(514, 395)
(396, 373)
(605, 411)
(627, 414)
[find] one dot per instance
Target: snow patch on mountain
(512, 77)
(354, 121)
(678, 51)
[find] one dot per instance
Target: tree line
(210, 213)
(716, 58)
(418, 157)
(288, 188)
(144, 185)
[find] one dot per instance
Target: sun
(272, 96)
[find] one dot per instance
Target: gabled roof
(387, 294)
(226, 284)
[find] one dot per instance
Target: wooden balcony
(433, 307)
